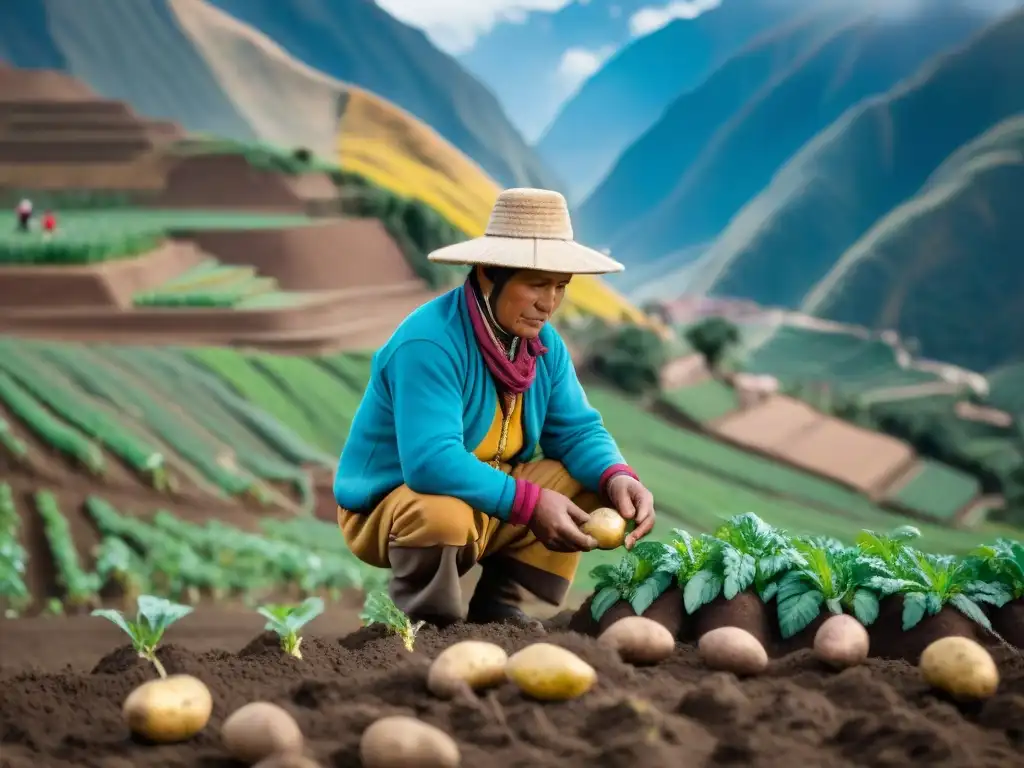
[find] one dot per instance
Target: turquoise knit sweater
(431, 401)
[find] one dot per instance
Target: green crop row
(703, 402)
(802, 576)
(49, 388)
(239, 374)
(187, 440)
(13, 593)
(215, 298)
(251, 452)
(80, 587)
(50, 429)
(180, 559)
(938, 491)
(65, 249)
(10, 442)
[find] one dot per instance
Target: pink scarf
(512, 376)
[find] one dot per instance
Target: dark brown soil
(675, 714)
(667, 610)
(1008, 621)
(890, 641)
(745, 611)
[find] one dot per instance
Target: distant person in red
(24, 210)
(49, 223)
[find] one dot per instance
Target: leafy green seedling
(381, 609)
(154, 615)
(639, 578)
(840, 578)
(287, 620)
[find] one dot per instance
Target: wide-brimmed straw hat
(529, 229)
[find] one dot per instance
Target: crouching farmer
(436, 475)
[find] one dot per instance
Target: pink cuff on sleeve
(527, 496)
(612, 471)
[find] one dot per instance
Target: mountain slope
(865, 56)
(627, 95)
(230, 80)
(957, 244)
(535, 87)
(649, 168)
(877, 156)
(358, 42)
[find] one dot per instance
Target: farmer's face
(528, 300)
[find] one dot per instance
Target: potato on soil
(961, 667)
(472, 663)
(732, 649)
(170, 709)
(639, 640)
(550, 673)
(841, 641)
(607, 526)
(405, 742)
(258, 730)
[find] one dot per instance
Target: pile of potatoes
(178, 707)
(542, 671)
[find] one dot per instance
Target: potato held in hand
(258, 730)
(171, 709)
(402, 742)
(550, 673)
(960, 667)
(607, 526)
(471, 662)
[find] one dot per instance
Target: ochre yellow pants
(412, 520)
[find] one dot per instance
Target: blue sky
(455, 25)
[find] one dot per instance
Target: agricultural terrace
(703, 402)
(846, 363)
(211, 284)
(94, 236)
(265, 430)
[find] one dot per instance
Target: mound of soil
(675, 714)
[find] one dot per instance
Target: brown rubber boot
(498, 598)
(425, 582)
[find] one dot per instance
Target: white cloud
(577, 64)
(652, 18)
(454, 25)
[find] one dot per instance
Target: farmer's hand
(634, 502)
(556, 523)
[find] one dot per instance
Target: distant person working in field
(436, 474)
(49, 223)
(24, 212)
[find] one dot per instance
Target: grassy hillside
(359, 43)
(869, 162)
(858, 58)
(626, 96)
(843, 362)
(112, 430)
(957, 244)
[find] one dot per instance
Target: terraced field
(704, 402)
(212, 284)
(845, 362)
(251, 439)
